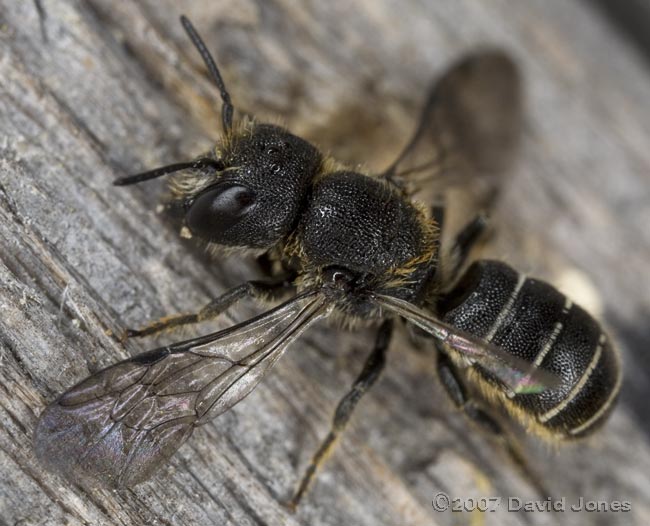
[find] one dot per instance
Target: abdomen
(533, 321)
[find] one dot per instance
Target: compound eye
(219, 208)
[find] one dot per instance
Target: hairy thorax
(368, 230)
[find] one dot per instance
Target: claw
(289, 505)
(128, 333)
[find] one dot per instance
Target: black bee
(357, 247)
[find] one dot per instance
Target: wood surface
(93, 90)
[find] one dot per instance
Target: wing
(517, 375)
(118, 426)
(470, 125)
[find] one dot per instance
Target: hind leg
(450, 378)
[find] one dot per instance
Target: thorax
(370, 229)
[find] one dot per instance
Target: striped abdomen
(533, 321)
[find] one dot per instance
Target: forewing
(517, 375)
(470, 125)
(118, 426)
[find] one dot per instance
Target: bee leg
(450, 379)
(465, 240)
(438, 215)
(371, 370)
(42, 15)
(265, 264)
(251, 289)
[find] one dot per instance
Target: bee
(359, 249)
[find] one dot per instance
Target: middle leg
(465, 240)
(371, 370)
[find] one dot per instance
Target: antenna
(164, 170)
(227, 108)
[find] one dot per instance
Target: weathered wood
(108, 88)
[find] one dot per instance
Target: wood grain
(97, 89)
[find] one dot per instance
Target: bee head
(252, 195)
(248, 191)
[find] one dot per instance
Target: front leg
(253, 289)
